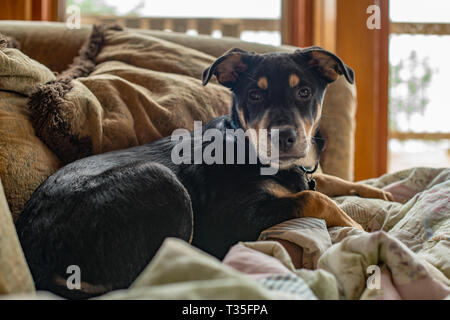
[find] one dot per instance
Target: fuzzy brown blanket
(25, 161)
(124, 89)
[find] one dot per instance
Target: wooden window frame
(297, 22)
(39, 10)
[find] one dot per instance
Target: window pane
(419, 11)
(181, 8)
(135, 12)
(419, 99)
(418, 153)
(431, 55)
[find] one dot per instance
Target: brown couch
(55, 46)
(26, 160)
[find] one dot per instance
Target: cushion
(15, 277)
(124, 89)
(25, 161)
(338, 127)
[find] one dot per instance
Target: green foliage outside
(89, 7)
(409, 80)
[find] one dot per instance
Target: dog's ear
(328, 64)
(227, 68)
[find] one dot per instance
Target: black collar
(306, 171)
(308, 174)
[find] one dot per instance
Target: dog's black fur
(109, 213)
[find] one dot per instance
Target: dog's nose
(288, 137)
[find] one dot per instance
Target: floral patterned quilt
(404, 253)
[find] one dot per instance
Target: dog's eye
(255, 96)
(304, 92)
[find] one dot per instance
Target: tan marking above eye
(263, 83)
(293, 80)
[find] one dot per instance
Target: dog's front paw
(355, 225)
(366, 191)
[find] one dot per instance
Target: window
(419, 91)
(250, 20)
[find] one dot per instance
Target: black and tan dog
(108, 214)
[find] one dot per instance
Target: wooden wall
(45, 10)
(297, 22)
(366, 51)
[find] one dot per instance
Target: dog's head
(281, 91)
